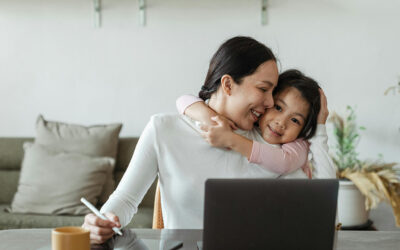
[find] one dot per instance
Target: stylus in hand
(97, 212)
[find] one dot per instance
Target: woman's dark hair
(309, 90)
(238, 57)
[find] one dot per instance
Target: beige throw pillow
(97, 140)
(53, 183)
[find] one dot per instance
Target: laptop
(269, 214)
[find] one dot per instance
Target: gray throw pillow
(97, 140)
(53, 183)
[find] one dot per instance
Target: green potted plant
(363, 184)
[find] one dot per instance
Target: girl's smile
(273, 132)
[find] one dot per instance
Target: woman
(240, 81)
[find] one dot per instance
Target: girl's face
(248, 100)
(283, 123)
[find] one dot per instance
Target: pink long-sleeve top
(281, 159)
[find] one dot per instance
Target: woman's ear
(227, 84)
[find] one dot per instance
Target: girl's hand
(100, 230)
(323, 112)
(219, 135)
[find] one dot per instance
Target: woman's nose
(269, 101)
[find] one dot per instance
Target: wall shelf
(97, 13)
(264, 8)
(142, 12)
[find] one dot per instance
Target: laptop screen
(269, 214)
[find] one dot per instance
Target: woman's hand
(219, 135)
(100, 230)
(323, 112)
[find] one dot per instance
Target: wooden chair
(158, 222)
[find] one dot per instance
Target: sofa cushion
(11, 152)
(8, 185)
(98, 140)
(142, 219)
(53, 182)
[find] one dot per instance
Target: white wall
(53, 61)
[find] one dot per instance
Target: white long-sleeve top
(172, 147)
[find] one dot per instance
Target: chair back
(158, 222)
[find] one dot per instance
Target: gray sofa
(11, 155)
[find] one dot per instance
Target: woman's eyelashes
(265, 88)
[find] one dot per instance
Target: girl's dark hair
(238, 57)
(309, 90)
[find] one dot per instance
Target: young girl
(286, 127)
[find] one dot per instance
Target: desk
(22, 239)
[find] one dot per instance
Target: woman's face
(284, 122)
(249, 99)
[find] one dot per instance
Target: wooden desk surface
(347, 240)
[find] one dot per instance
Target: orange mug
(70, 238)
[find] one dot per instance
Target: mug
(70, 238)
